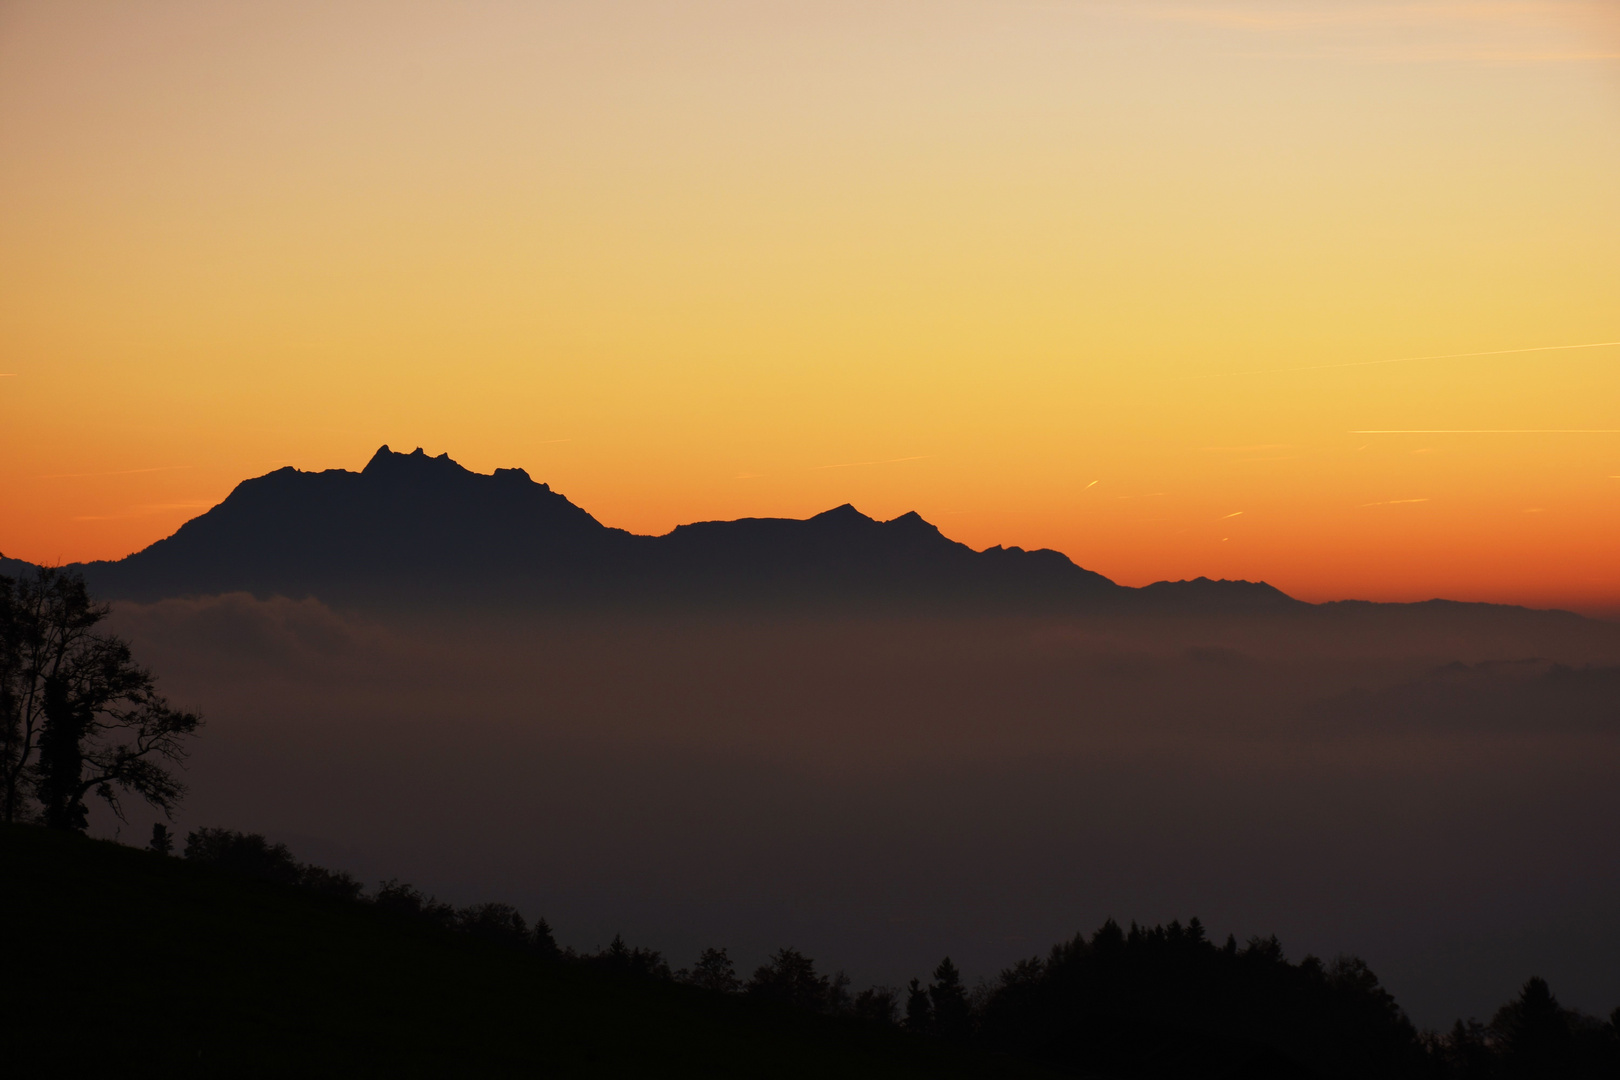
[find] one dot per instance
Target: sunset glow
(1324, 293)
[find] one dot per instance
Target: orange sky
(1104, 277)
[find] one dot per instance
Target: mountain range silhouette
(410, 527)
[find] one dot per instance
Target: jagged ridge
(410, 526)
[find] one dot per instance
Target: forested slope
(120, 962)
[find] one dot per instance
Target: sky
(1323, 293)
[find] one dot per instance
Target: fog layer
(1432, 788)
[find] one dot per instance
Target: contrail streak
(1409, 359)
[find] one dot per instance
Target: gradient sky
(1130, 280)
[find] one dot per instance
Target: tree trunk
(61, 760)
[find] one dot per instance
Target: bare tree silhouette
(77, 714)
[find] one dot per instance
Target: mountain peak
(911, 521)
(840, 515)
(1221, 593)
(388, 461)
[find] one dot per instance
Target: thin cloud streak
(1394, 502)
(1465, 32)
(1272, 17)
(1487, 431)
(142, 511)
(885, 461)
(1407, 360)
(115, 472)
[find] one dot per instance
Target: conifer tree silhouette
(952, 1018)
(919, 1013)
(1535, 1033)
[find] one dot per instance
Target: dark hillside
(123, 963)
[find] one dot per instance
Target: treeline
(789, 977)
(1166, 1001)
(1148, 1002)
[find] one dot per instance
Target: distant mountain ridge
(410, 526)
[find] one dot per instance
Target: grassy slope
(119, 962)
